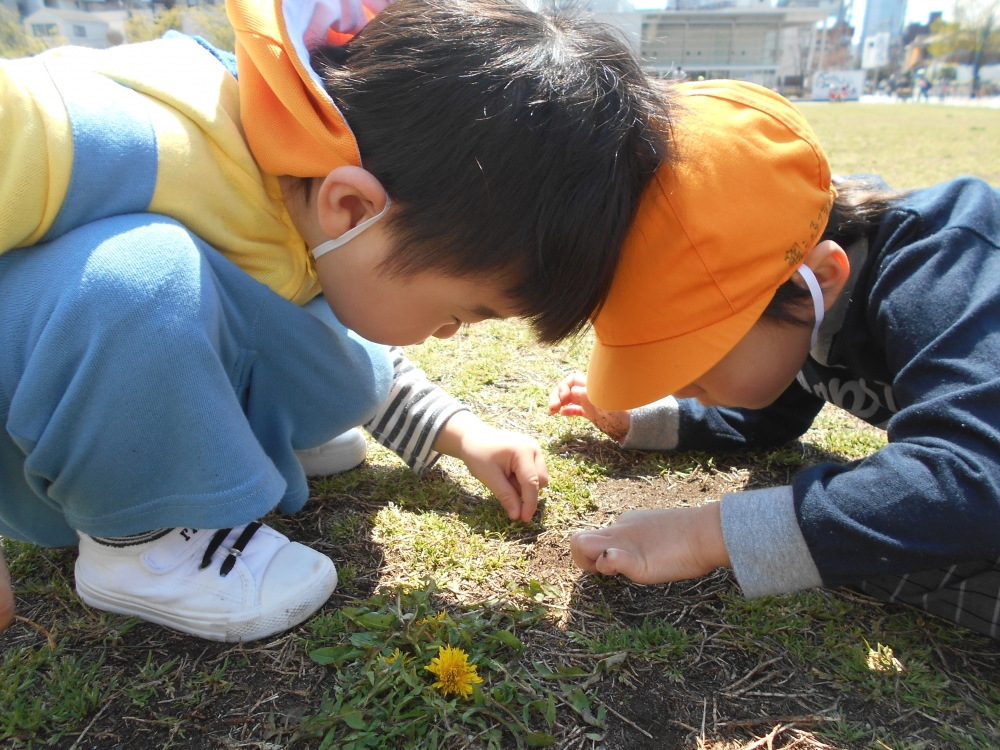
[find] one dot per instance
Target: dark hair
(856, 212)
(514, 144)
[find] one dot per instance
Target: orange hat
(291, 124)
(717, 232)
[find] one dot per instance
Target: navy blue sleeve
(931, 498)
(717, 428)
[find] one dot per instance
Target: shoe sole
(252, 625)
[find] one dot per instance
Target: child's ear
(346, 197)
(830, 264)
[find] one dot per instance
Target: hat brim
(625, 377)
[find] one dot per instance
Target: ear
(829, 263)
(346, 197)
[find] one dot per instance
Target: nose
(446, 332)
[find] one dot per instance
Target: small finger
(529, 502)
(612, 562)
(542, 470)
(559, 394)
(584, 552)
(510, 503)
(525, 476)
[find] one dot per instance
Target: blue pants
(147, 382)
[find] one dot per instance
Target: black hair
(856, 212)
(515, 145)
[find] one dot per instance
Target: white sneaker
(338, 455)
(221, 584)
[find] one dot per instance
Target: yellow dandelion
(881, 659)
(455, 674)
(439, 617)
(397, 654)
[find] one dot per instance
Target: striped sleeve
(410, 419)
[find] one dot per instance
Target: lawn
(566, 660)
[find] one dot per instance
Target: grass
(910, 145)
(566, 660)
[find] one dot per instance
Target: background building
(778, 47)
(78, 27)
(885, 17)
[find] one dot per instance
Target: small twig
(32, 624)
(900, 718)
(626, 719)
(768, 739)
(86, 729)
(704, 713)
(682, 725)
(761, 694)
(745, 723)
(751, 673)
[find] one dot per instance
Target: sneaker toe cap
(297, 572)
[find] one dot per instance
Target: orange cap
(291, 124)
(717, 232)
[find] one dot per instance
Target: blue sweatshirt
(912, 345)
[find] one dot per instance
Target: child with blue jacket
(786, 291)
(169, 216)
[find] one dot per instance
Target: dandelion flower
(396, 655)
(881, 659)
(433, 620)
(455, 674)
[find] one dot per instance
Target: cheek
(446, 332)
(753, 377)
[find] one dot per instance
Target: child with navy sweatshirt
(885, 304)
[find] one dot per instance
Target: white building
(77, 26)
(745, 39)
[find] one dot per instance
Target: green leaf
(328, 741)
(578, 699)
(363, 639)
(375, 621)
(507, 638)
(544, 672)
(335, 655)
(354, 719)
(539, 739)
(550, 712)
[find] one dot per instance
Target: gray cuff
(654, 427)
(765, 544)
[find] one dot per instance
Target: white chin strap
(350, 234)
(817, 296)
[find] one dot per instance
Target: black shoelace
(235, 551)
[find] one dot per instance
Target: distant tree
(210, 22)
(15, 41)
(973, 37)
(138, 27)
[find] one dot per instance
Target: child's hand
(570, 399)
(511, 465)
(6, 596)
(655, 546)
